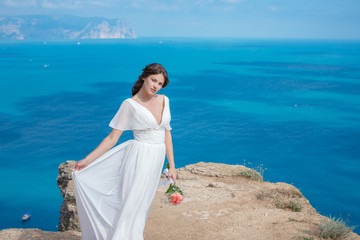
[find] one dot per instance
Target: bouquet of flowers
(173, 193)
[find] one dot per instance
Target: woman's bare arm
(170, 155)
(107, 143)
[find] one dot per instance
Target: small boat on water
(26, 216)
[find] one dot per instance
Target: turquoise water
(292, 106)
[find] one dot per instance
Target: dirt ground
(218, 204)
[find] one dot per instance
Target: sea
(288, 108)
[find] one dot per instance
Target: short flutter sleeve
(167, 122)
(167, 126)
(123, 119)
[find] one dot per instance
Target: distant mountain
(63, 27)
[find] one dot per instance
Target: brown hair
(153, 68)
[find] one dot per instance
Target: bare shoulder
(163, 96)
(160, 97)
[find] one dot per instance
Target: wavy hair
(151, 69)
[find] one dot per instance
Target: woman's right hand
(80, 165)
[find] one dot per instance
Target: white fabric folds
(115, 192)
(166, 181)
(132, 115)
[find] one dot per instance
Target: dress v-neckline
(162, 114)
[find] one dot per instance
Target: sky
(309, 19)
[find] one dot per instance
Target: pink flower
(176, 198)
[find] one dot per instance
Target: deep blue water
(292, 106)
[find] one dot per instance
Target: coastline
(219, 203)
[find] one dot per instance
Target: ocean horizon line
(193, 38)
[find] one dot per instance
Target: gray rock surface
(69, 219)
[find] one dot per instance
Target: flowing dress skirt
(115, 192)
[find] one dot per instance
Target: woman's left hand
(172, 174)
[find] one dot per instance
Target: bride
(115, 187)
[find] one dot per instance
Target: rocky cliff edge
(219, 203)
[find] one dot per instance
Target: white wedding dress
(115, 192)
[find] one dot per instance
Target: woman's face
(153, 83)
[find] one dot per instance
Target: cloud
(165, 7)
(61, 4)
(103, 3)
(158, 5)
(73, 3)
(54, 4)
(147, 5)
(19, 3)
(273, 8)
(232, 1)
(184, 5)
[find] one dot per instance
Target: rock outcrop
(219, 203)
(57, 27)
(68, 216)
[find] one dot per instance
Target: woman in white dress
(115, 187)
